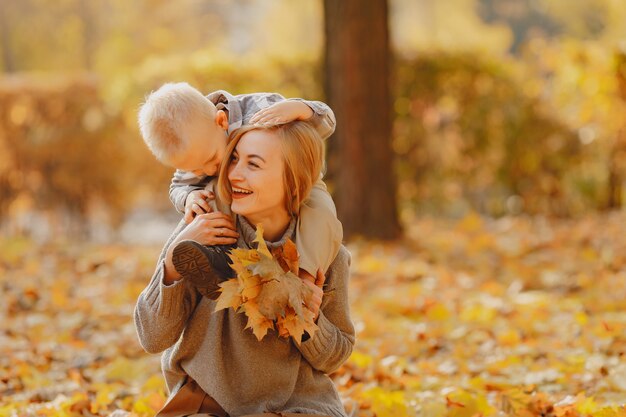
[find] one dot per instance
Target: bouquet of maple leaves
(268, 291)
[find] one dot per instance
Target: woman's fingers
(203, 204)
(197, 208)
(220, 241)
(188, 215)
(215, 215)
(208, 194)
(224, 232)
(320, 279)
(314, 300)
(219, 223)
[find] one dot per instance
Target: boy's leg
(204, 266)
(319, 233)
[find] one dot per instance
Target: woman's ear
(221, 119)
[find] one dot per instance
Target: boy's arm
(319, 233)
(184, 182)
(323, 118)
(272, 107)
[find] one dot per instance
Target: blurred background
(480, 149)
(507, 107)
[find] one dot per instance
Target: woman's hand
(197, 203)
(208, 229)
(315, 301)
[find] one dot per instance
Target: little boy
(189, 131)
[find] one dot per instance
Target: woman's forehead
(259, 142)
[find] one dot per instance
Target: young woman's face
(255, 174)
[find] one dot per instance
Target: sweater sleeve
(182, 184)
(162, 311)
(323, 118)
(332, 344)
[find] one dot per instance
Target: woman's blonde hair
(303, 155)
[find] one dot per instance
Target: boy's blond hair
(165, 112)
(303, 156)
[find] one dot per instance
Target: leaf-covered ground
(519, 317)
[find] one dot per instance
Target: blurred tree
(524, 17)
(419, 26)
(8, 59)
(581, 19)
(468, 136)
(65, 152)
(358, 64)
(617, 157)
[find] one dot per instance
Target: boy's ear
(221, 119)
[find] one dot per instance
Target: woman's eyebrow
(256, 156)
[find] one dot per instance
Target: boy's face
(206, 147)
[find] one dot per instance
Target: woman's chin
(239, 209)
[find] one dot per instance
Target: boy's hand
(282, 112)
(197, 203)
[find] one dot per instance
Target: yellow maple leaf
(251, 287)
(262, 248)
(238, 259)
(287, 256)
(280, 290)
(244, 257)
(295, 326)
(259, 324)
(468, 404)
(291, 324)
(230, 295)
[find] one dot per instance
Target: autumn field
(474, 317)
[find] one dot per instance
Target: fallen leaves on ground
(511, 317)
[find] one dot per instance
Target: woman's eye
(253, 164)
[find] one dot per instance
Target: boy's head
(183, 128)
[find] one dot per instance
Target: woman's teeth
(239, 190)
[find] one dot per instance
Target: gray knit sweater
(244, 375)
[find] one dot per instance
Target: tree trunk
(357, 87)
(616, 165)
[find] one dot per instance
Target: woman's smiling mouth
(240, 192)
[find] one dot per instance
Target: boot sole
(192, 264)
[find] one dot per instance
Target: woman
(211, 363)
